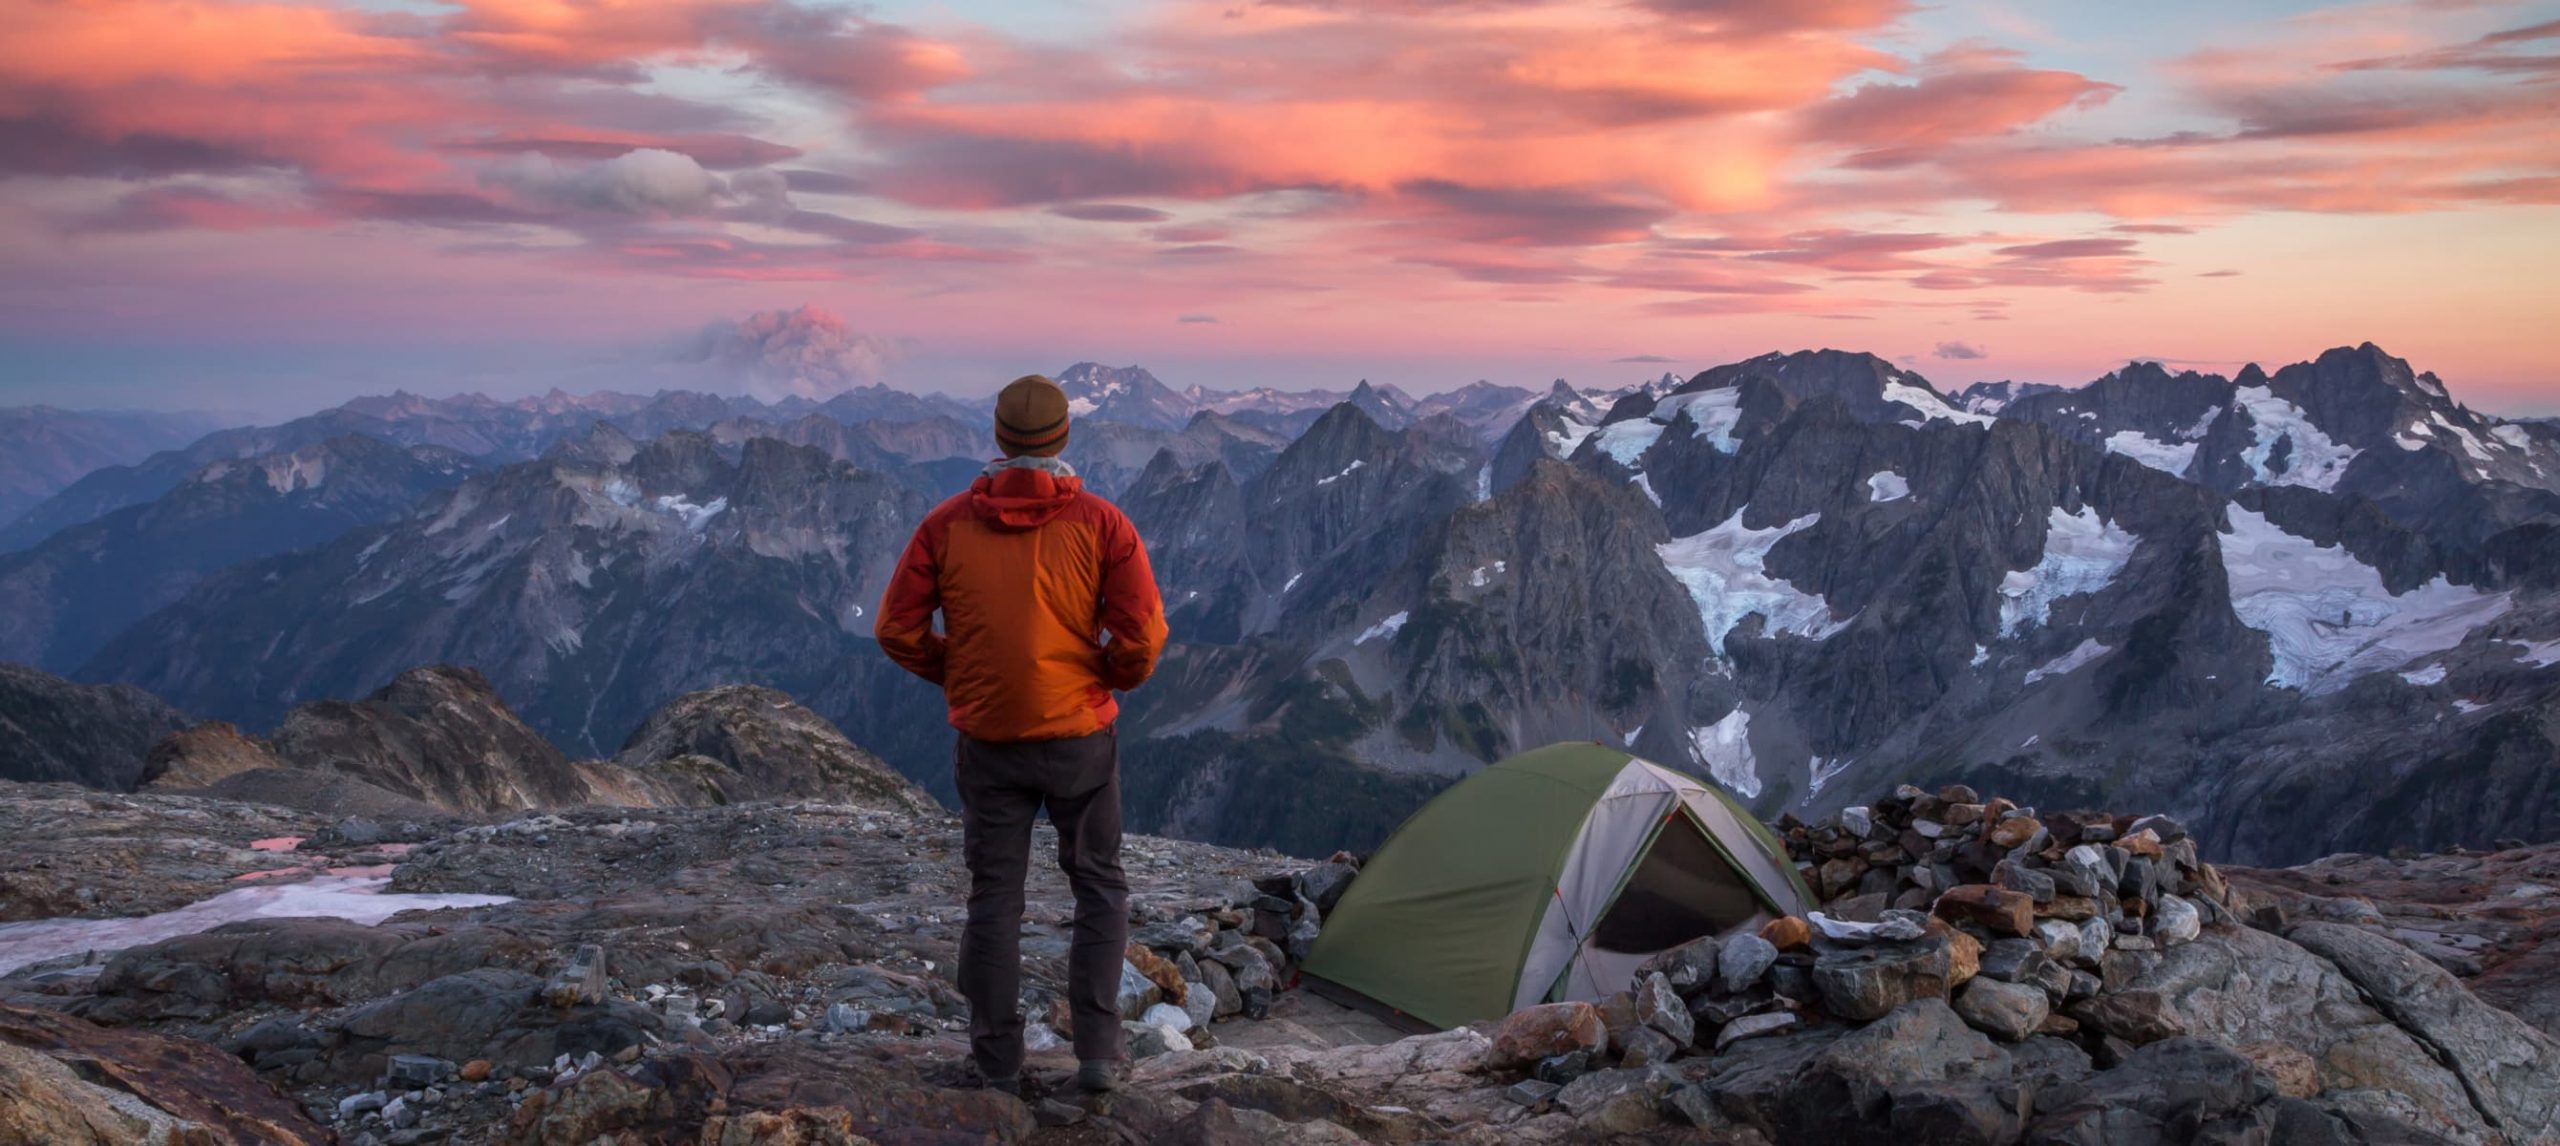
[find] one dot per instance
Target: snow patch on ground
(328, 897)
(1723, 570)
(2082, 554)
(2512, 434)
(1482, 574)
(2539, 654)
(1932, 407)
(2313, 460)
(1821, 770)
(1484, 482)
(1724, 749)
(2432, 674)
(1645, 482)
(2328, 617)
(1079, 407)
(1887, 486)
(2467, 707)
(1292, 583)
(2167, 457)
(2081, 654)
(621, 492)
(695, 516)
(1632, 733)
(1356, 463)
(2469, 442)
(1384, 628)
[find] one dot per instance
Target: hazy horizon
(501, 377)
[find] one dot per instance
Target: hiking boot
(1102, 1074)
(1009, 1084)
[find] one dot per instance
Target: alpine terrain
(2305, 610)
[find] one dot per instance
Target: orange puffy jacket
(1028, 570)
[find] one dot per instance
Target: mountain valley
(2307, 610)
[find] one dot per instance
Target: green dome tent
(1549, 876)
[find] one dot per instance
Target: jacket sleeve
(1131, 607)
(905, 625)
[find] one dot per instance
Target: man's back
(1029, 571)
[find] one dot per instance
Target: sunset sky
(269, 206)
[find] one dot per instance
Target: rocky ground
(2492, 918)
(779, 973)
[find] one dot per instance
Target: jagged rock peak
(605, 446)
(753, 743)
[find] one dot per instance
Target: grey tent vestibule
(1549, 876)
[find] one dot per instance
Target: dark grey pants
(1002, 788)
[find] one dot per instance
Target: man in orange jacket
(1029, 572)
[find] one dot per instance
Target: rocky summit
(780, 972)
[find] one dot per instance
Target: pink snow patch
(368, 871)
(278, 844)
(357, 900)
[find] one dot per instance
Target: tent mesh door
(1682, 889)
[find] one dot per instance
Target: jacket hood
(1024, 492)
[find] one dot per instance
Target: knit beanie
(1031, 418)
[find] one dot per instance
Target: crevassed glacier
(2327, 616)
(2082, 554)
(1722, 569)
(2313, 459)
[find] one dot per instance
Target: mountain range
(2305, 610)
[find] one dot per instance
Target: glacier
(1723, 570)
(2328, 617)
(2168, 457)
(1931, 407)
(2082, 554)
(2314, 460)
(1714, 412)
(1626, 441)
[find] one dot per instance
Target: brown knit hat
(1031, 417)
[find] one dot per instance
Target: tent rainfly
(1546, 877)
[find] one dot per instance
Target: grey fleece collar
(1054, 467)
